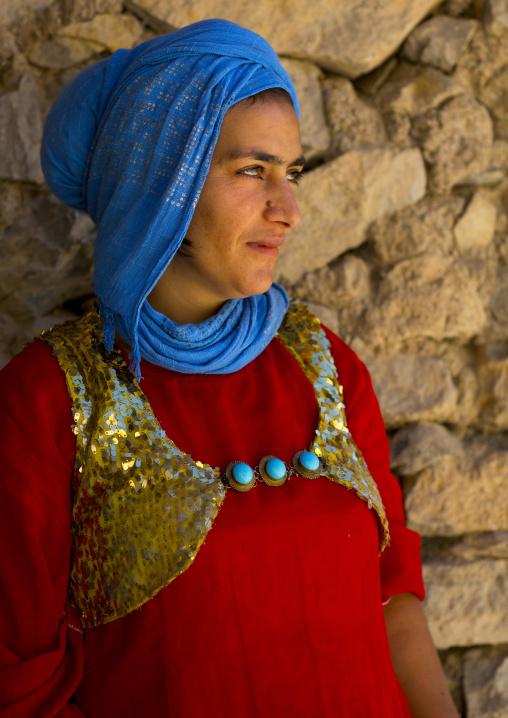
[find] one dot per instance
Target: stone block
(496, 15)
(455, 7)
(476, 547)
(48, 253)
(425, 297)
(353, 122)
(423, 227)
(486, 685)
(15, 12)
(21, 132)
(59, 53)
(498, 304)
(466, 604)
(477, 225)
(439, 41)
(306, 78)
(413, 388)
(83, 10)
(417, 446)
(341, 198)
(493, 395)
(456, 495)
(414, 89)
(494, 95)
(456, 141)
(349, 38)
(344, 288)
(111, 31)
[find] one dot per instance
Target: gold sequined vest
(141, 506)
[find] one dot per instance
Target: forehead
(269, 125)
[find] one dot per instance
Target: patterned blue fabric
(130, 141)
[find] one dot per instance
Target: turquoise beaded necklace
(272, 471)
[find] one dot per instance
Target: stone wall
(402, 248)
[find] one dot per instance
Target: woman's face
(246, 207)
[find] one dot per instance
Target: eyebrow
(254, 154)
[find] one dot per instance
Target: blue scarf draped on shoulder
(130, 141)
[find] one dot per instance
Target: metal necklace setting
(272, 471)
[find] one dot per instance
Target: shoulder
(34, 398)
(31, 375)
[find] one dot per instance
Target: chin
(258, 288)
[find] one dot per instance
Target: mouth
(268, 247)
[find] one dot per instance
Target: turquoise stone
(243, 473)
(309, 461)
(275, 469)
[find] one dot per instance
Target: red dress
(281, 612)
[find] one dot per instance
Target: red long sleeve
(400, 562)
(41, 643)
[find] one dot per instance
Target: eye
(294, 176)
(254, 171)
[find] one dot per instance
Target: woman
(254, 588)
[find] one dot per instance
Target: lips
(268, 246)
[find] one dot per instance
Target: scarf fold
(130, 141)
(226, 342)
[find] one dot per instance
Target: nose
(281, 205)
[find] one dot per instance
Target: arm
(41, 642)
(414, 657)
(415, 660)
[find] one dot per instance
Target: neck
(182, 302)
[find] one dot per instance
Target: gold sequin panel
(302, 335)
(142, 507)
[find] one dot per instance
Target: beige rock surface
(477, 546)
(353, 122)
(21, 132)
(456, 141)
(345, 288)
(439, 41)
(417, 446)
(493, 395)
(498, 304)
(414, 89)
(477, 225)
(455, 7)
(424, 227)
(413, 388)
(466, 604)
(496, 14)
(456, 495)
(306, 78)
(426, 296)
(63, 52)
(111, 31)
(83, 10)
(14, 12)
(483, 67)
(369, 32)
(486, 685)
(495, 96)
(339, 200)
(55, 242)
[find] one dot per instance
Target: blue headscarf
(130, 141)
